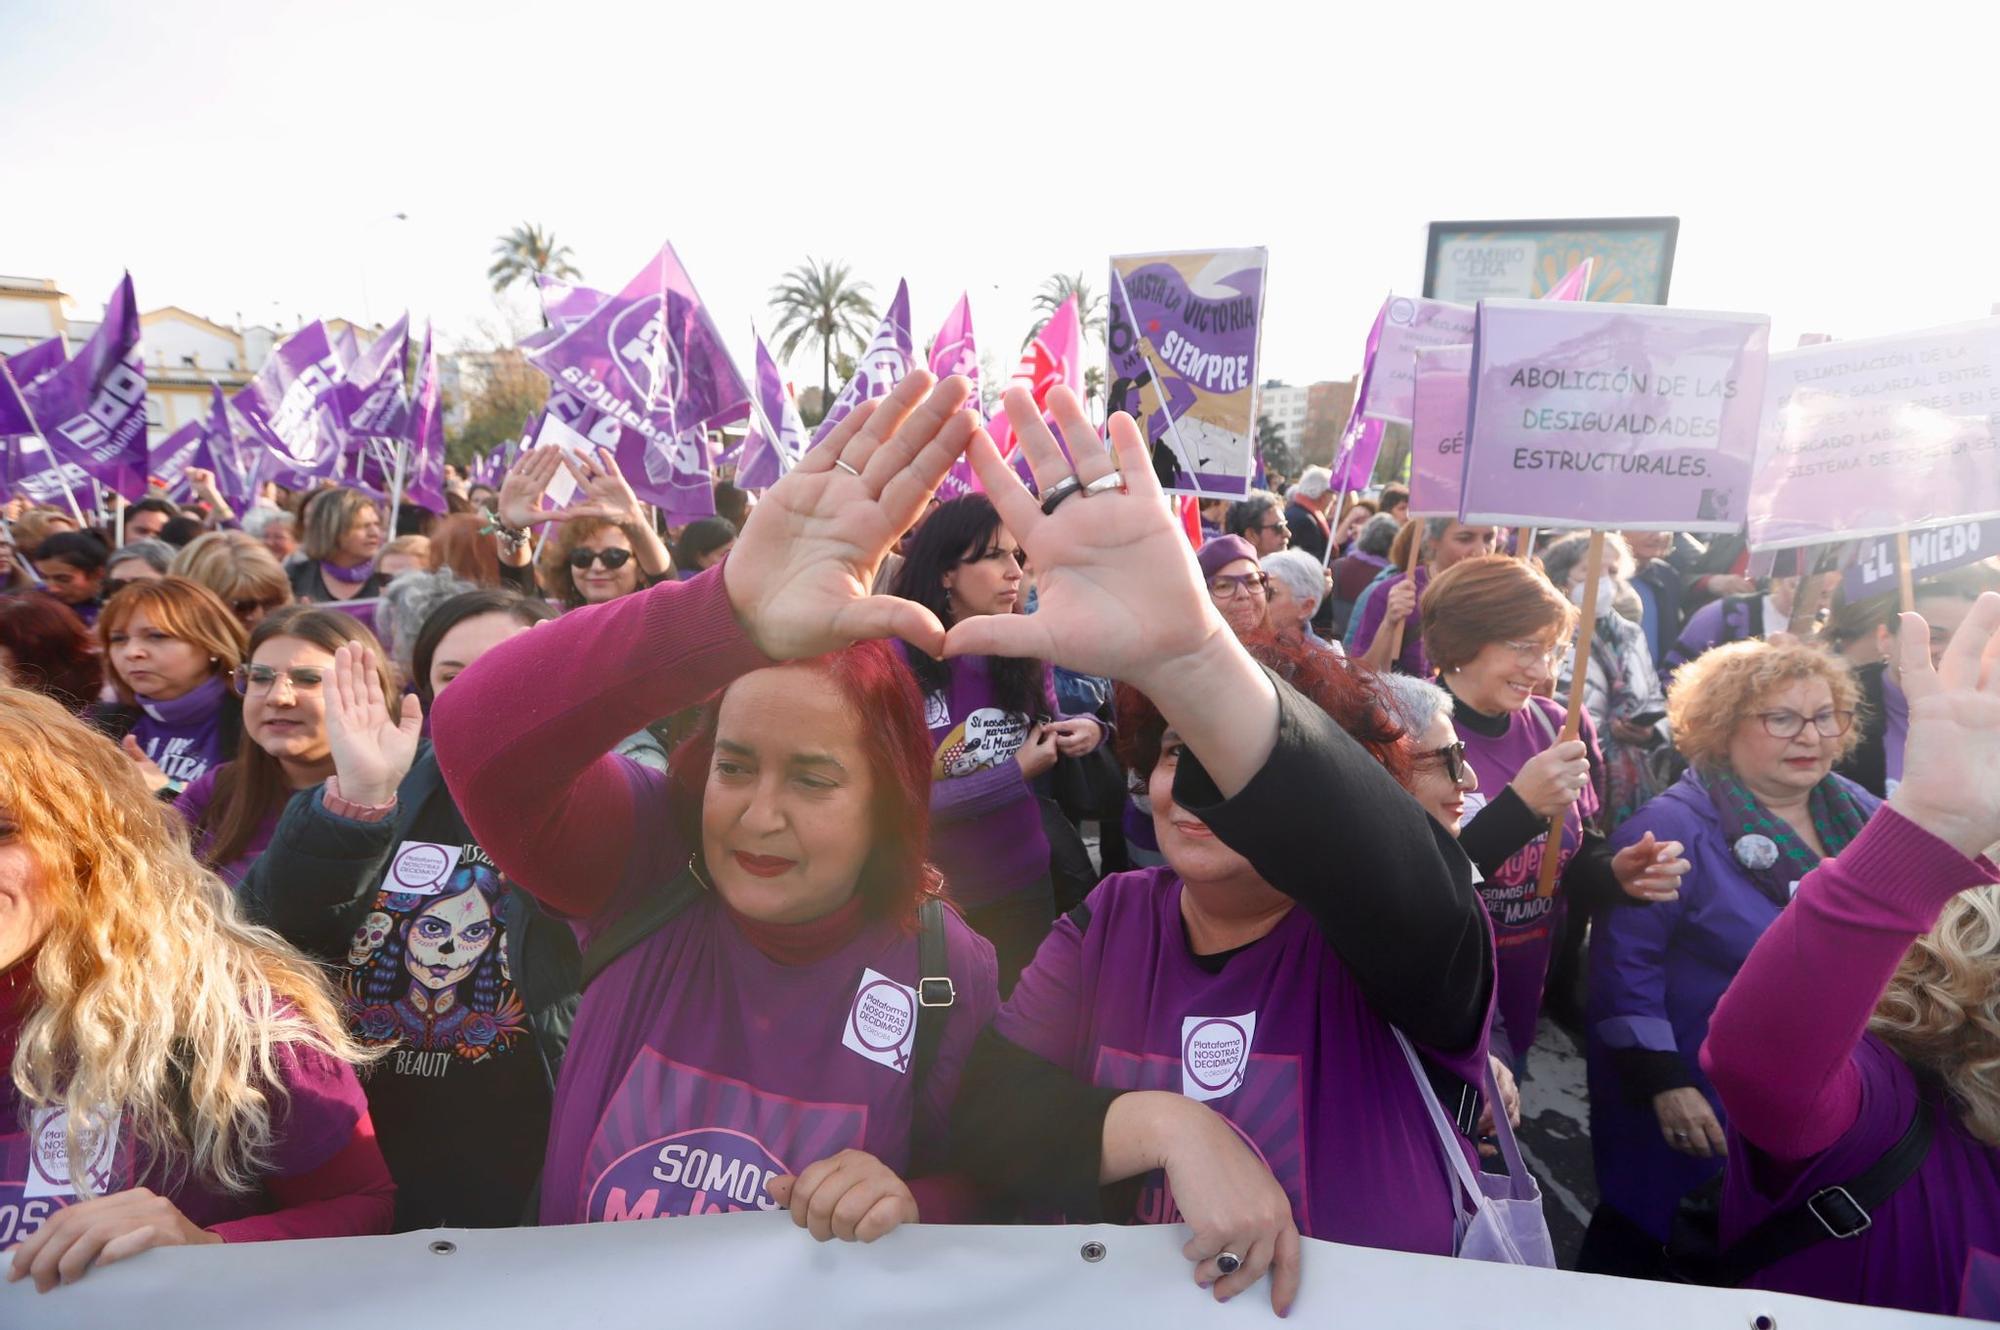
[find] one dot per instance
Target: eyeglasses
(1453, 757)
(257, 680)
(1228, 586)
(243, 609)
(1274, 526)
(1790, 724)
(613, 559)
(1538, 653)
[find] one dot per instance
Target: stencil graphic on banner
(1438, 424)
(1872, 437)
(1588, 415)
(92, 409)
(1183, 348)
(881, 367)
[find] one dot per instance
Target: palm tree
(525, 253)
(820, 304)
(1060, 287)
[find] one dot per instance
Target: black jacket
(1868, 765)
(316, 882)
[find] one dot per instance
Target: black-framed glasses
(613, 559)
(257, 680)
(1453, 757)
(1228, 586)
(1831, 723)
(1273, 526)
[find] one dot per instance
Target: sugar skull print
(428, 971)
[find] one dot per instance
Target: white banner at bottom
(753, 1270)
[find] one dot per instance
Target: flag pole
(1545, 882)
(1410, 576)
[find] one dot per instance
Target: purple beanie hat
(1222, 551)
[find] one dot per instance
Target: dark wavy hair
(524, 610)
(897, 874)
(957, 532)
(1344, 691)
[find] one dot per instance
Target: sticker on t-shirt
(937, 710)
(49, 1170)
(988, 737)
(1214, 1052)
(882, 1022)
(427, 968)
(421, 867)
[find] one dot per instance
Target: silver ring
(1680, 1136)
(1229, 1262)
(1114, 481)
(1059, 491)
(845, 467)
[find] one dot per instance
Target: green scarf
(1837, 817)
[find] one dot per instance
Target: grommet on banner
(1763, 1321)
(443, 1248)
(1092, 1252)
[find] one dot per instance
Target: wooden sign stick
(1545, 883)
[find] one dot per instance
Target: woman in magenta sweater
(1897, 941)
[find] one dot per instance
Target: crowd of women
(542, 866)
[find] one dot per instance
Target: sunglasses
(243, 609)
(613, 559)
(1453, 757)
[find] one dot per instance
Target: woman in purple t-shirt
(171, 646)
(994, 726)
(1897, 943)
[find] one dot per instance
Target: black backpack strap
(1841, 1211)
(935, 991)
(648, 917)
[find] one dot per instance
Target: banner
(14, 417)
(33, 471)
(1183, 350)
(423, 439)
(777, 437)
(1872, 437)
(292, 407)
(1053, 358)
(1472, 261)
(1407, 326)
(1589, 415)
(1440, 409)
(650, 359)
(953, 351)
(1871, 564)
(34, 365)
(92, 410)
(755, 1270)
(881, 367)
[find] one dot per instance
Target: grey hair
(1378, 533)
(406, 602)
(262, 517)
(155, 554)
(1301, 574)
(1414, 702)
(1315, 481)
(1561, 558)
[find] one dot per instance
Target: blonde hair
(181, 609)
(1941, 1010)
(235, 567)
(155, 1000)
(1717, 690)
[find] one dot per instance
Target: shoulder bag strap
(646, 918)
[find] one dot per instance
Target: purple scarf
(191, 706)
(355, 576)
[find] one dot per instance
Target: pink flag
(1054, 357)
(1575, 284)
(954, 352)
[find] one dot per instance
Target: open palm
(1118, 592)
(372, 747)
(1951, 766)
(798, 576)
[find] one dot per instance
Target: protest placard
(1443, 392)
(1630, 416)
(1871, 566)
(1873, 437)
(1409, 324)
(1183, 349)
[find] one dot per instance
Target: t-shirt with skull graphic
(461, 1098)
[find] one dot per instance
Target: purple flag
(564, 305)
(881, 367)
(32, 366)
(346, 349)
(1406, 326)
(650, 361)
(93, 410)
(14, 418)
(291, 406)
(423, 478)
(955, 352)
(777, 438)
(374, 400)
(35, 472)
(1183, 350)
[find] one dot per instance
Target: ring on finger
(845, 467)
(1059, 491)
(1228, 1262)
(1114, 481)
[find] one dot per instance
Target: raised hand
(799, 573)
(603, 490)
(372, 749)
(1951, 766)
(149, 770)
(521, 489)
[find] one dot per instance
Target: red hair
(50, 649)
(1343, 691)
(880, 689)
(457, 544)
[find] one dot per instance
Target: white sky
(1832, 164)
